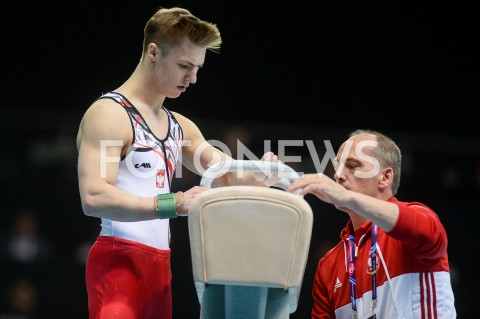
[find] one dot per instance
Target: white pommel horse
(249, 244)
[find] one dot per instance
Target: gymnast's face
(175, 69)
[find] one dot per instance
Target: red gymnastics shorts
(128, 280)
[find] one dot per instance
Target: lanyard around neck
(352, 266)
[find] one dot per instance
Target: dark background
(297, 72)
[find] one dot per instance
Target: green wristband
(166, 206)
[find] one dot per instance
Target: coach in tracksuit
(391, 261)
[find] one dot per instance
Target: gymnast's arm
(98, 165)
(198, 155)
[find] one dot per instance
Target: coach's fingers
(304, 181)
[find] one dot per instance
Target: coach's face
(357, 169)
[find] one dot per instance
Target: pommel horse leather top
(250, 235)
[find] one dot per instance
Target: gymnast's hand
(268, 179)
(184, 199)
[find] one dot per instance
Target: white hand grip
(286, 174)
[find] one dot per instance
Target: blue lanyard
(352, 266)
